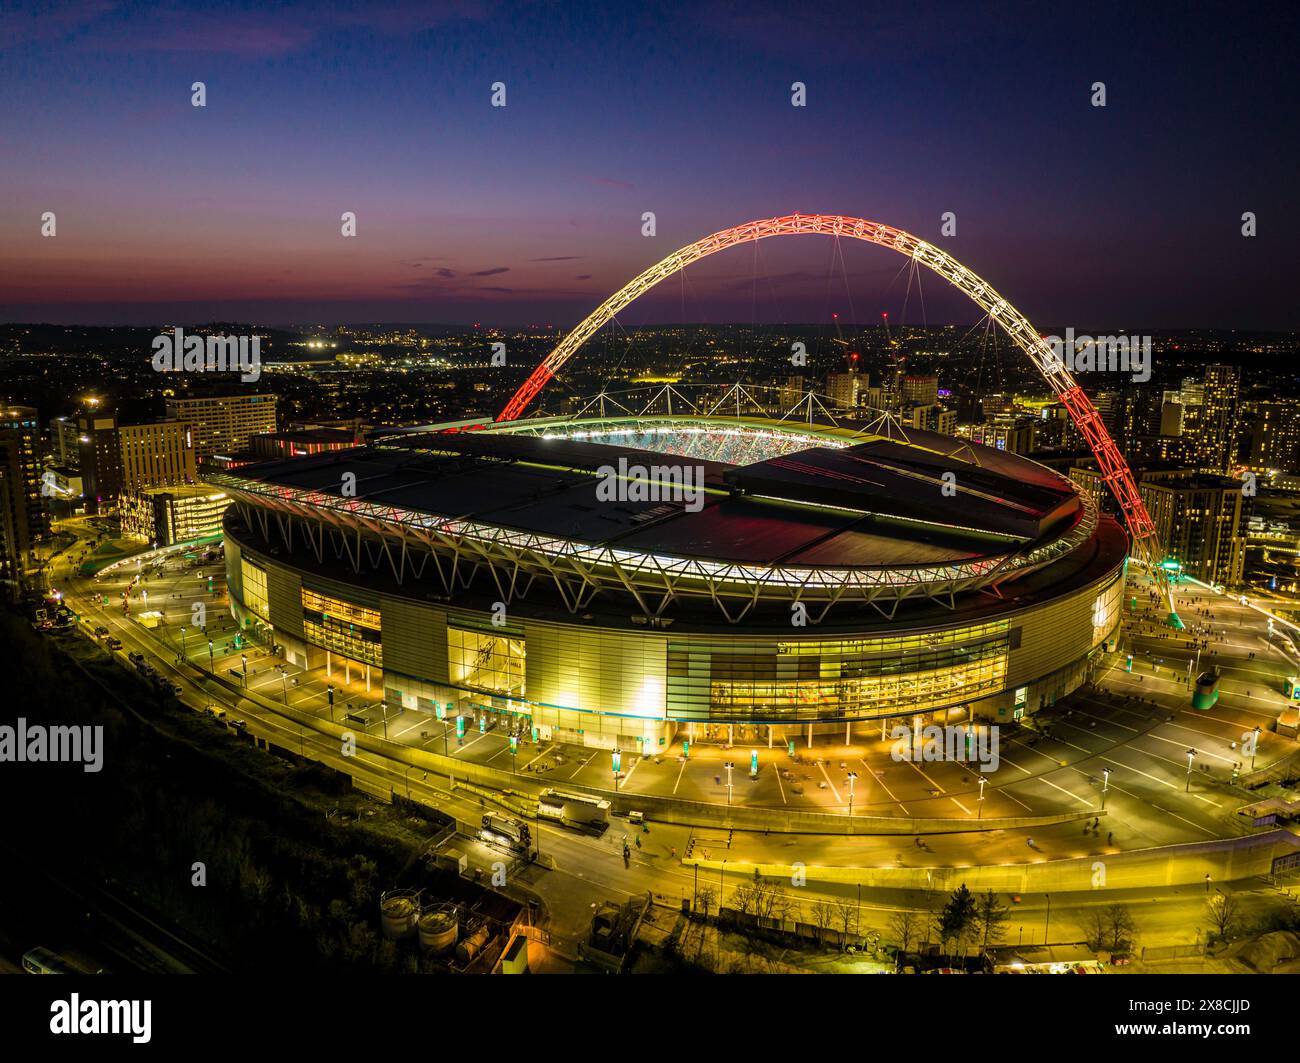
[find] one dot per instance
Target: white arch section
(1114, 469)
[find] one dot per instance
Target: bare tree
(823, 915)
(1223, 912)
(1120, 928)
(905, 925)
(744, 898)
(1094, 927)
(846, 917)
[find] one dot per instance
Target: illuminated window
(477, 660)
(254, 582)
(833, 680)
(343, 627)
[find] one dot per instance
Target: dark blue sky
(1124, 216)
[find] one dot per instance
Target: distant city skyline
(531, 214)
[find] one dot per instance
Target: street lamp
(284, 682)
(979, 813)
(616, 762)
(852, 775)
(383, 709)
(1105, 785)
(1190, 754)
(212, 663)
(729, 765)
(1254, 748)
(329, 695)
(243, 667)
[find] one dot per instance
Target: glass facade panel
(477, 660)
(857, 679)
(254, 584)
(352, 630)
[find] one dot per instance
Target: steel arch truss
(1114, 469)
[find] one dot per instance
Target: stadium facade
(775, 573)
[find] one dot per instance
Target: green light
(1128, 664)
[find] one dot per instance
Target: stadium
(825, 575)
(612, 578)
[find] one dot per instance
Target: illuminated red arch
(1114, 469)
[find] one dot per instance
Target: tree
(706, 901)
(846, 917)
(990, 917)
(823, 915)
(1094, 929)
(1120, 928)
(744, 899)
(906, 926)
(1223, 913)
(957, 917)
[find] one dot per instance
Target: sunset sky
(1125, 216)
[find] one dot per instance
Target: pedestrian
(1110, 837)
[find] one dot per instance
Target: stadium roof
(876, 503)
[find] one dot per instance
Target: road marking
(405, 730)
(822, 764)
(881, 780)
(1076, 797)
(959, 805)
(582, 765)
(927, 778)
(679, 775)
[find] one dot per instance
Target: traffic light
(460, 726)
(686, 747)
(514, 744)
(1128, 663)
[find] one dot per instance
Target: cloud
(491, 272)
(557, 258)
(253, 34)
(583, 277)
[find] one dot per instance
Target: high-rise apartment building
(99, 458)
(1197, 516)
(223, 424)
(160, 454)
(1275, 437)
(24, 518)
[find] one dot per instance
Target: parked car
(114, 643)
(135, 658)
(101, 631)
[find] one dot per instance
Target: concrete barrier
(1223, 860)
